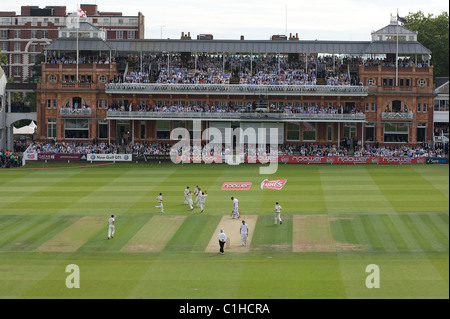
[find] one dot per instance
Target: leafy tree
(433, 34)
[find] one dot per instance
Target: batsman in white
(235, 207)
(111, 228)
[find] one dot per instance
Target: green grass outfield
(337, 219)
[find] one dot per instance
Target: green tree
(433, 34)
(3, 59)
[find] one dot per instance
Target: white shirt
(159, 199)
(202, 197)
(111, 221)
(222, 237)
(278, 209)
(235, 203)
(186, 192)
(244, 229)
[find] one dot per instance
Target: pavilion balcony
(235, 89)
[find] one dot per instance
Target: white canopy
(29, 129)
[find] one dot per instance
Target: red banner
(352, 160)
(236, 186)
(275, 184)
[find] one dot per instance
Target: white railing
(397, 115)
(225, 116)
(164, 88)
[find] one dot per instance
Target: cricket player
(244, 233)
(160, 202)
(202, 200)
(196, 193)
(111, 228)
(186, 192)
(189, 199)
(196, 190)
(277, 212)
(235, 207)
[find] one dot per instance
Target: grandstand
(313, 92)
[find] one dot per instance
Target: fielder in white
(202, 199)
(235, 207)
(244, 233)
(196, 192)
(186, 192)
(160, 202)
(277, 212)
(189, 200)
(111, 228)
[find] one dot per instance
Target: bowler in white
(111, 228)
(277, 211)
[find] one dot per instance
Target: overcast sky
(256, 19)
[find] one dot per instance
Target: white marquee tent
(28, 129)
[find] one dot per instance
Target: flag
(81, 13)
(400, 19)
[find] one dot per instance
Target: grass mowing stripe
(440, 221)
(418, 236)
(409, 191)
(17, 228)
(431, 234)
(26, 238)
(72, 238)
(361, 237)
(27, 196)
(397, 239)
(155, 234)
(412, 244)
(375, 241)
(385, 237)
(126, 226)
(194, 234)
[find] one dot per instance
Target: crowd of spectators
(402, 63)
(165, 148)
(244, 108)
(73, 148)
(82, 59)
(10, 159)
(417, 151)
(256, 70)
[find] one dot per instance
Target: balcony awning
(84, 44)
(390, 47)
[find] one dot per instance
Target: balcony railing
(397, 115)
(234, 89)
(75, 112)
(250, 116)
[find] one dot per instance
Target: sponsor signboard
(199, 158)
(58, 157)
(275, 184)
(352, 160)
(109, 157)
(236, 186)
(30, 156)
